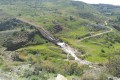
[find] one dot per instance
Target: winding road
(110, 30)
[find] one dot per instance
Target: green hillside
(91, 29)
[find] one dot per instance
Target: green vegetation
(114, 63)
(78, 19)
(45, 51)
(1, 62)
(48, 59)
(70, 21)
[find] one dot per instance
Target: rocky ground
(9, 71)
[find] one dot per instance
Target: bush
(38, 40)
(1, 61)
(73, 69)
(114, 65)
(103, 51)
(34, 78)
(33, 52)
(95, 74)
(23, 29)
(6, 68)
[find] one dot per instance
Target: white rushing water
(72, 52)
(68, 49)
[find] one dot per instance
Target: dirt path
(8, 31)
(110, 30)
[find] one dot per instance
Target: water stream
(72, 52)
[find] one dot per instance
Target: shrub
(114, 65)
(73, 69)
(23, 29)
(34, 78)
(38, 40)
(103, 51)
(1, 62)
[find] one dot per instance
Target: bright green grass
(48, 51)
(51, 12)
(95, 46)
(38, 47)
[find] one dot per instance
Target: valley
(49, 39)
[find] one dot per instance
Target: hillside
(113, 12)
(89, 32)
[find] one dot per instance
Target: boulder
(60, 77)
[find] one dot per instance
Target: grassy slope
(15, 32)
(46, 52)
(96, 49)
(49, 12)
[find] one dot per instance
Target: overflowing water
(68, 49)
(72, 52)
